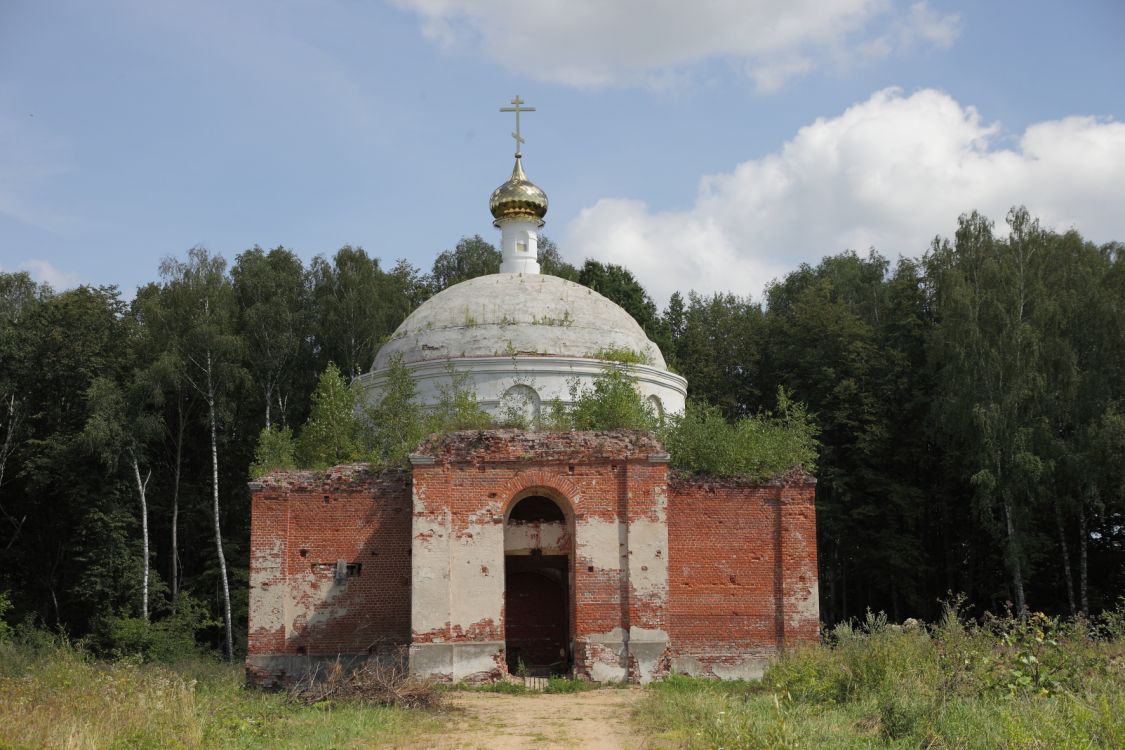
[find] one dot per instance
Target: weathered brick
(705, 576)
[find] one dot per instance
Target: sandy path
(598, 719)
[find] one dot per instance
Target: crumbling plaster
(709, 577)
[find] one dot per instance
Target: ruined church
(500, 551)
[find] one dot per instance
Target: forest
(970, 410)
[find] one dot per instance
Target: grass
(1006, 683)
(52, 695)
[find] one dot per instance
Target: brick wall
(705, 577)
(742, 572)
(302, 525)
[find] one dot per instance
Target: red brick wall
(741, 557)
(728, 594)
(304, 522)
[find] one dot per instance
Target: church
(515, 551)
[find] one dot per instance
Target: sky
(711, 145)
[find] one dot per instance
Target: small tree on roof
(332, 434)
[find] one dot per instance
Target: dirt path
(598, 720)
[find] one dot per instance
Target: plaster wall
(550, 377)
(508, 314)
(550, 538)
(519, 246)
(610, 486)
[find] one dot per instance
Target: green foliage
(273, 293)
(396, 424)
(621, 355)
(551, 262)
(703, 441)
(332, 434)
(356, 305)
(472, 257)
(168, 639)
(5, 607)
(457, 407)
(955, 684)
(276, 451)
(612, 402)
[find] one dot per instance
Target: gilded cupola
(518, 198)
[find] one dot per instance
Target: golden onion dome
(518, 198)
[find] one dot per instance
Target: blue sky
(710, 145)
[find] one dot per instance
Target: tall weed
(1001, 682)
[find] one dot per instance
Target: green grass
(1039, 683)
(55, 696)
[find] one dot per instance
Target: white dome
(516, 315)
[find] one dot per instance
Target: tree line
(968, 406)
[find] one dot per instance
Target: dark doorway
(537, 547)
(535, 614)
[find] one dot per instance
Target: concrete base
(740, 667)
(282, 670)
(649, 656)
(619, 660)
(453, 662)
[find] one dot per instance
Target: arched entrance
(537, 586)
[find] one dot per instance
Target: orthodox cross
(517, 109)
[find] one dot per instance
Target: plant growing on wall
(703, 441)
(333, 434)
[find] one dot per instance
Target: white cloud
(923, 23)
(597, 43)
(43, 271)
(890, 173)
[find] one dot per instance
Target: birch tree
(210, 352)
(164, 329)
(273, 299)
(120, 426)
(993, 382)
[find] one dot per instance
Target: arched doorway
(537, 585)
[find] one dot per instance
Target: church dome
(516, 315)
(517, 339)
(518, 198)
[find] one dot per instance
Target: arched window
(520, 401)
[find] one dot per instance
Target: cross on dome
(517, 108)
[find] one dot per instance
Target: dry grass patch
(55, 696)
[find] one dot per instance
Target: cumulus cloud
(44, 271)
(598, 43)
(890, 173)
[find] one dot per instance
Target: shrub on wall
(611, 403)
(457, 407)
(700, 441)
(276, 451)
(332, 434)
(396, 424)
(703, 441)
